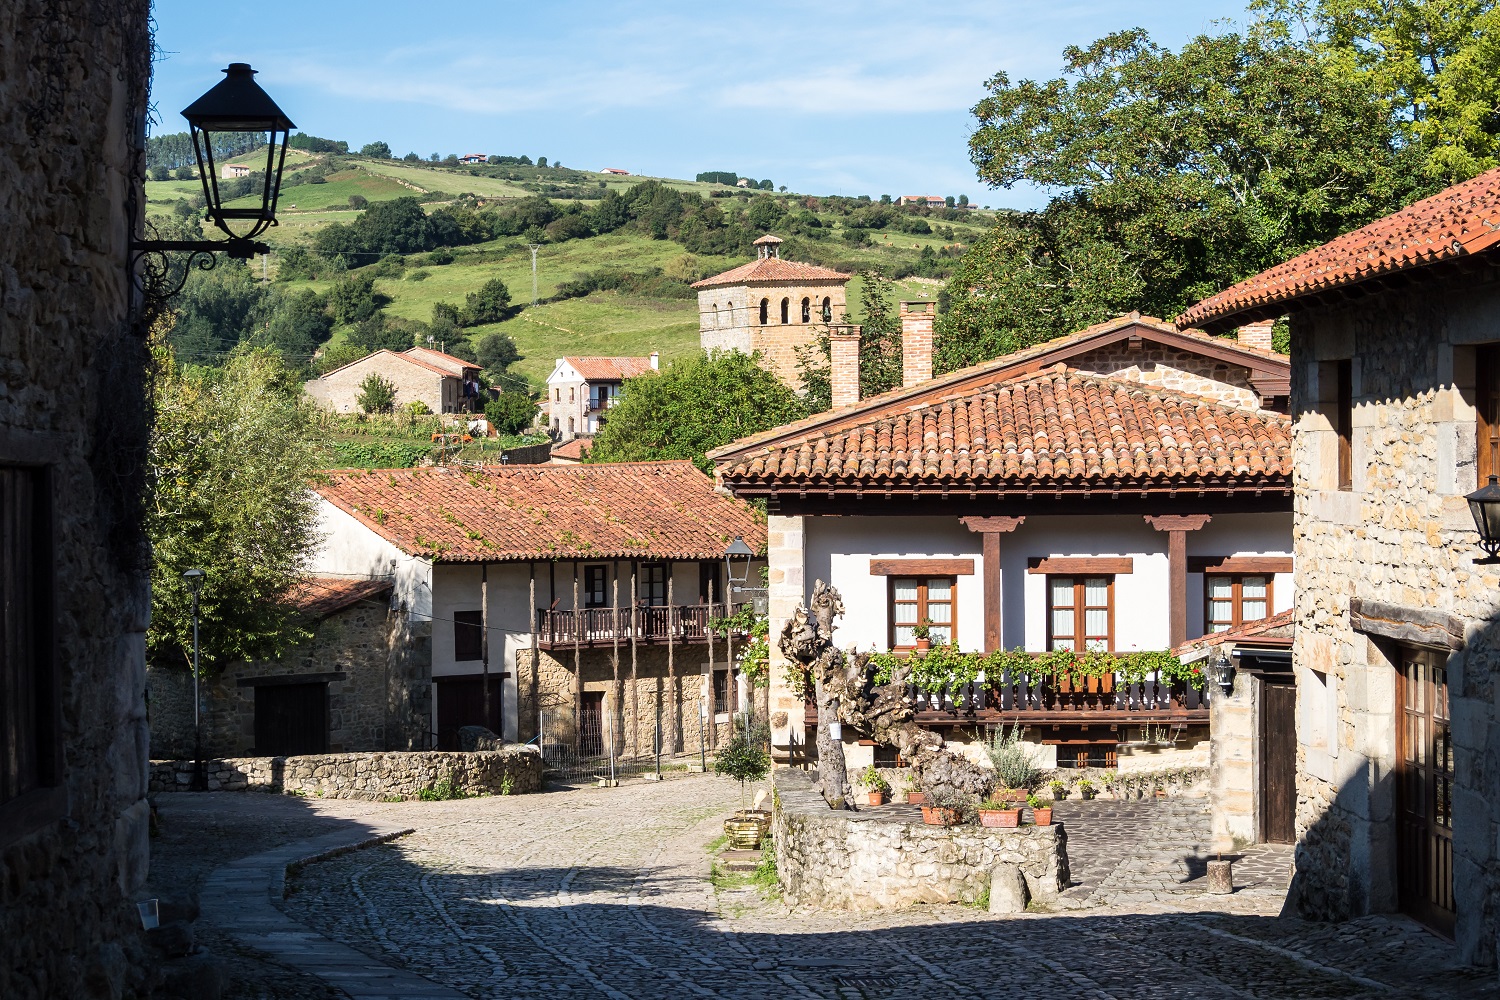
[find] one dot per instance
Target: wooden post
(674, 719)
(990, 529)
(614, 628)
(713, 733)
(484, 639)
(535, 667)
(577, 665)
(1177, 526)
(635, 684)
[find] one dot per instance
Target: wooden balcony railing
(684, 623)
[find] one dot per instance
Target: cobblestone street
(605, 891)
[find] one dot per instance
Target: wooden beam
(1177, 526)
(921, 567)
(1420, 627)
(1178, 522)
(1239, 564)
(1078, 565)
(992, 524)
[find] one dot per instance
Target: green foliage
(377, 150)
(1014, 763)
(490, 304)
(872, 779)
(944, 667)
(377, 454)
(693, 406)
(445, 790)
(337, 356)
(728, 177)
(742, 758)
(1178, 174)
(511, 412)
(652, 283)
(879, 349)
(377, 394)
(313, 144)
(496, 352)
(352, 298)
(231, 456)
(752, 649)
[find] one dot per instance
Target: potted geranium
(1041, 812)
(922, 633)
(999, 812)
(1059, 790)
(878, 787)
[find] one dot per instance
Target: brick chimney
(916, 341)
(1257, 334)
(843, 364)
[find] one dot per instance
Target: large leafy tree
(692, 406)
(231, 456)
(1175, 174)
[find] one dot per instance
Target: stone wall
(379, 694)
(872, 860)
(339, 390)
(1401, 535)
(73, 847)
(373, 776)
(1171, 368)
(729, 319)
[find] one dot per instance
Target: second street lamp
(194, 579)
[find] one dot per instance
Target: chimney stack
(655, 360)
(1257, 334)
(843, 364)
(916, 341)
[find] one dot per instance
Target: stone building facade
(368, 668)
(582, 390)
(1397, 630)
(73, 428)
(417, 379)
(770, 305)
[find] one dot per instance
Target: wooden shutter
(1487, 410)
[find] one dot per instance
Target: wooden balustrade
(685, 623)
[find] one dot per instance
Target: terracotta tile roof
(1276, 367)
(632, 510)
(772, 269)
(610, 369)
(321, 596)
(1059, 431)
(1277, 629)
(448, 362)
(1462, 220)
(572, 450)
(768, 239)
(400, 357)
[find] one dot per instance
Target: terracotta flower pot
(939, 816)
(1043, 816)
(916, 798)
(1000, 817)
(924, 645)
(876, 799)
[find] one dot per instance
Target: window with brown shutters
(468, 629)
(1487, 411)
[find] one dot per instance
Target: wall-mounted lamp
(1222, 673)
(1484, 504)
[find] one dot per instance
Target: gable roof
(1056, 432)
(1268, 370)
(399, 357)
(437, 359)
(610, 369)
(772, 269)
(1275, 631)
(631, 510)
(1458, 222)
(571, 450)
(320, 596)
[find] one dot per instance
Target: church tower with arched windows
(770, 305)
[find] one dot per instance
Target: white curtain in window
(1253, 593)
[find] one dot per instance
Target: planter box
(1000, 817)
(938, 816)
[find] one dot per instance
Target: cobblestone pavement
(604, 891)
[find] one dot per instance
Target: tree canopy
(692, 406)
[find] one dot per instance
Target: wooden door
(460, 702)
(1424, 792)
(1278, 762)
(591, 725)
(291, 719)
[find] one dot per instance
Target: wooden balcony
(594, 627)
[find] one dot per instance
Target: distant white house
(474, 158)
(930, 200)
(580, 390)
(615, 170)
(236, 170)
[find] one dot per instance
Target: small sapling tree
(743, 759)
(377, 394)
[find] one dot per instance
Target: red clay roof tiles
(1059, 430)
(321, 596)
(772, 269)
(1462, 220)
(1277, 629)
(610, 369)
(634, 510)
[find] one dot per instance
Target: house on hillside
(581, 391)
(583, 593)
(359, 684)
(474, 158)
(1396, 643)
(444, 383)
(1119, 489)
(236, 170)
(769, 305)
(929, 200)
(616, 171)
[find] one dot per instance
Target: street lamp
(194, 580)
(1484, 504)
(1222, 674)
(235, 105)
(738, 550)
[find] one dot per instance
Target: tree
(231, 455)
(337, 356)
(496, 351)
(352, 298)
(949, 201)
(963, 199)
(377, 394)
(185, 173)
(358, 201)
(298, 323)
(541, 161)
(511, 412)
(1177, 174)
(411, 158)
(879, 349)
(377, 150)
(490, 304)
(161, 172)
(692, 406)
(743, 758)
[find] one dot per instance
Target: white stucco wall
(349, 548)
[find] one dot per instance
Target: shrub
(377, 394)
(358, 201)
(490, 304)
(743, 759)
(1015, 765)
(417, 408)
(510, 412)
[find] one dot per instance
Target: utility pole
(534, 248)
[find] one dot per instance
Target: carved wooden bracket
(1177, 522)
(992, 524)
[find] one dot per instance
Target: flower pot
(923, 645)
(1087, 793)
(916, 798)
(747, 828)
(1009, 795)
(1042, 816)
(876, 798)
(939, 816)
(1000, 817)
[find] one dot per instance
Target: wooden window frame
(643, 590)
(1343, 420)
(599, 572)
(890, 605)
(1486, 400)
(1079, 608)
(463, 621)
(1236, 599)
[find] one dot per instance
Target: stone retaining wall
(361, 775)
(882, 859)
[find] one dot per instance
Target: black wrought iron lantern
(737, 560)
(1484, 504)
(1221, 672)
(237, 105)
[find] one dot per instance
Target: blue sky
(840, 96)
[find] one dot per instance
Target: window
(827, 309)
(1235, 600)
(1343, 423)
(786, 305)
(723, 692)
(28, 749)
(653, 584)
(468, 635)
(557, 395)
(1487, 411)
(708, 573)
(915, 599)
(594, 585)
(572, 425)
(765, 311)
(716, 314)
(807, 310)
(1080, 612)
(572, 394)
